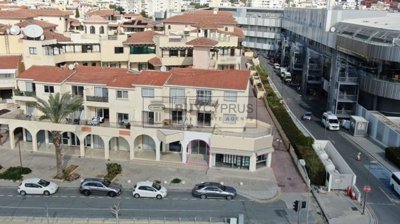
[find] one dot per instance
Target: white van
(395, 181)
(287, 77)
(330, 121)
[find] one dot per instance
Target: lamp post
(20, 156)
(303, 165)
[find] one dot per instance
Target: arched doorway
(198, 151)
(119, 148)
(171, 151)
(94, 146)
(145, 147)
(23, 137)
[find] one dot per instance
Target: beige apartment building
(193, 116)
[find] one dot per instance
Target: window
(92, 30)
(147, 92)
(32, 51)
(177, 117)
(6, 76)
(142, 50)
(173, 53)
(122, 117)
(169, 27)
(87, 48)
(49, 89)
(182, 53)
(77, 90)
(204, 119)
(102, 30)
(122, 94)
(203, 96)
(190, 52)
(229, 118)
(118, 50)
(230, 96)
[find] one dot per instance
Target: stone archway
(145, 147)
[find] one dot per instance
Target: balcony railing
(349, 79)
(97, 98)
(347, 97)
(24, 93)
(203, 102)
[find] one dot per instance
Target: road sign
(367, 188)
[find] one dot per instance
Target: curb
(268, 200)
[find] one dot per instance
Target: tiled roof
(10, 62)
(50, 35)
(221, 79)
(49, 74)
(16, 14)
(123, 81)
(202, 42)
(203, 16)
(156, 61)
(102, 12)
(151, 78)
(96, 75)
(145, 37)
(236, 32)
(95, 19)
(74, 22)
(43, 24)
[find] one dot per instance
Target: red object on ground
(367, 188)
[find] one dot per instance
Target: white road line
(1, 195)
(10, 195)
(72, 196)
(127, 197)
(390, 198)
(64, 196)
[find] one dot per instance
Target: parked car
(213, 190)
(149, 189)
(330, 121)
(99, 186)
(307, 116)
(37, 186)
(276, 66)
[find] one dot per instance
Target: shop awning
(264, 151)
(169, 136)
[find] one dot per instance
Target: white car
(277, 66)
(149, 189)
(37, 186)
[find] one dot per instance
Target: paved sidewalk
(259, 185)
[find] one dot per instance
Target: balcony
(103, 99)
(347, 97)
(24, 95)
(387, 88)
(348, 80)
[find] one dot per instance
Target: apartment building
(10, 67)
(271, 4)
(186, 115)
(261, 27)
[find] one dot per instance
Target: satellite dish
(15, 30)
(33, 31)
(163, 68)
(71, 66)
(333, 29)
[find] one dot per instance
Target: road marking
(1, 195)
(72, 196)
(54, 196)
(127, 197)
(10, 195)
(63, 196)
(390, 198)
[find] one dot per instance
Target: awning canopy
(169, 136)
(231, 152)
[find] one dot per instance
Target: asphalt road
(382, 199)
(68, 202)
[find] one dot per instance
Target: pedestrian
(359, 156)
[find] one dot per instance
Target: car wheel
(112, 194)
(23, 193)
(47, 193)
(159, 196)
(86, 193)
(229, 197)
(136, 196)
(203, 196)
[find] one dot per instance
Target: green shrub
(113, 169)
(393, 155)
(302, 144)
(176, 181)
(14, 173)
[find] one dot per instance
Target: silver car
(99, 186)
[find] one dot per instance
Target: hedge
(15, 173)
(393, 155)
(302, 144)
(113, 169)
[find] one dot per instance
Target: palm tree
(57, 109)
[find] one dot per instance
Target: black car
(99, 186)
(213, 190)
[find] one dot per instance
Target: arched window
(92, 30)
(102, 30)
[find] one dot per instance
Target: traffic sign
(367, 188)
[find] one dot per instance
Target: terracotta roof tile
(50, 74)
(43, 24)
(50, 35)
(74, 22)
(145, 37)
(221, 79)
(202, 42)
(156, 61)
(236, 32)
(10, 62)
(96, 75)
(203, 16)
(95, 19)
(152, 78)
(16, 14)
(102, 12)
(123, 81)
(48, 12)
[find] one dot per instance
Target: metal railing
(350, 79)
(24, 93)
(347, 97)
(97, 98)
(204, 102)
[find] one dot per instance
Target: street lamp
(303, 165)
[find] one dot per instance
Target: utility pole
(20, 156)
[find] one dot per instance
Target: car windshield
(106, 183)
(222, 187)
(43, 183)
(333, 121)
(308, 113)
(156, 186)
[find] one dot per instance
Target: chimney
(215, 10)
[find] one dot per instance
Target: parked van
(395, 181)
(330, 121)
(287, 77)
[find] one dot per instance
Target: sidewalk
(259, 185)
